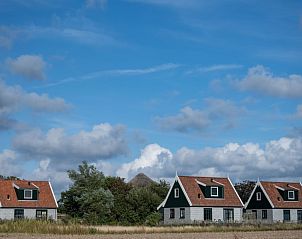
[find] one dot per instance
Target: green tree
(245, 189)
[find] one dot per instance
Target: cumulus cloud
(9, 166)
(13, 98)
(152, 161)
(276, 160)
(104, 141)
(198, 120)
(260, 79)
(28, 66)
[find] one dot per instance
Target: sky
(209, 88)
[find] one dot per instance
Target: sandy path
(227, 235)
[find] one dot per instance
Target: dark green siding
(20, 194)
(207, 191)
(181, 201)
(262, 204)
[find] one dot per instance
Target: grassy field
(47, 227)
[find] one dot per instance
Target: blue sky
(198, 87)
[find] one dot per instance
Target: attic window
(176, 193)
(198, 195)
(258, 196)
(214, 191)
(291, 195)
(28, 194)
(8, 197)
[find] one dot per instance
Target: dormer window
(258, 196)
(214, 191)
(291, 195)
(28, 194)
(176, 193)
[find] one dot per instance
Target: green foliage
(153, 219)
(245, 189)
(97, 199)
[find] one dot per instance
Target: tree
(245, 189)
(87, 198)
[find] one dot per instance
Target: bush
(153, 219)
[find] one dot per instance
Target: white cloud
(299, 111)
(276, 160)
(189, 119)
(260, 79)
(104, 141)
(179, 4)
(214, 68)
(13, 98)
(28, 66)
(152, 161)
(8, 162)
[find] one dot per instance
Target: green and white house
(272, 202)
(194, 199)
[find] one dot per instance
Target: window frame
(18, 215)
(182, 213)
(214, 195)
(31, 194)
(286, 212)
(264, 214)
(176, 192)
(39, 214)
(258, 196)
(172, 213)
(293, 193)
(207, 214)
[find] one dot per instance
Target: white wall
(197, 214)
(8, 213)
(278, 215)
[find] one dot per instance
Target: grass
(48, 227)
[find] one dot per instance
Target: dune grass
(48, 227)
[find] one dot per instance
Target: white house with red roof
(276, 202)
(27, 199)
(193, 199)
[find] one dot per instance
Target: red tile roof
(46, 197)
(274, 195)
(231, 199)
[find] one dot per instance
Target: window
(228, 215)
(176, 192)
(172, 213)
(182, 213)
(41, 214)
(258, 196)
(214, 191)
(19, 213)
(28, 194)
(299, 216)
(291, 195)
(286, 215)
(264, 214)
(207, 214)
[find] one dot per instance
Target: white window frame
(176, 193)
(31, 194)
(182, 213)
(293, 193)
(214, 195)
(258, 196)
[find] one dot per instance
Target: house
(197, 199)
(275, 202)
(27, 199)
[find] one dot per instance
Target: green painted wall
(177, 202)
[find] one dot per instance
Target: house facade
(27, 199)
(272, 202)
(201, 199)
